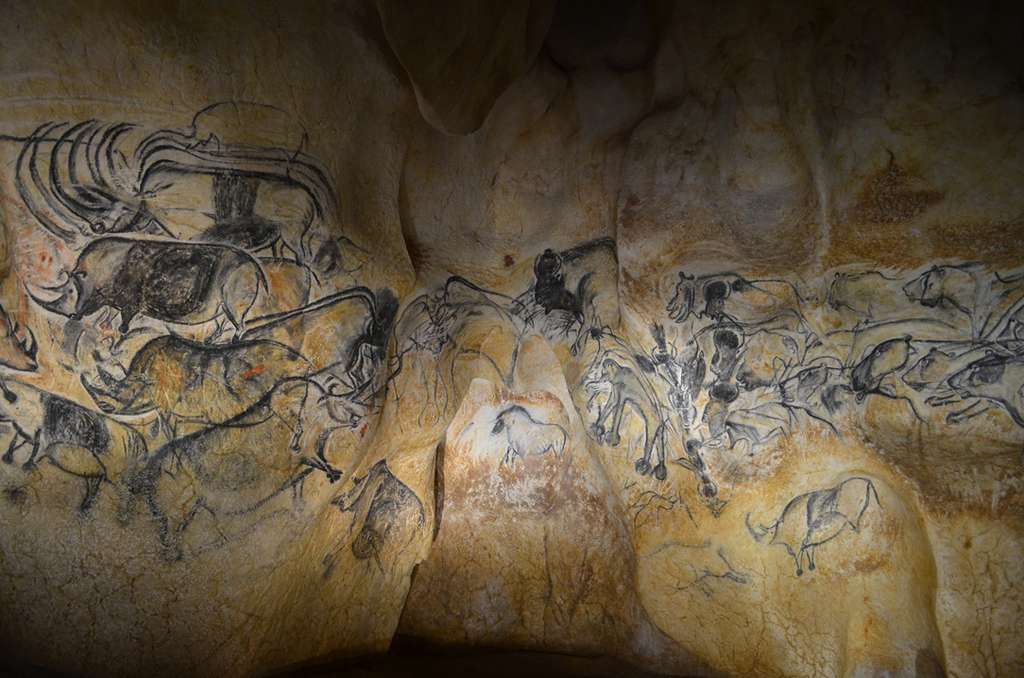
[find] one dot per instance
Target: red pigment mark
(363, 429)
(253, 371)
(509, 260)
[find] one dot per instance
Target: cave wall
(685, 333)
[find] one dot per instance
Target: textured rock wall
(685, 333)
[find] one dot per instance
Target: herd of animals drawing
(192, 320)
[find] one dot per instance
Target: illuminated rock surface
(686, 336)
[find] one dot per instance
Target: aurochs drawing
(815, 518)
(167, 280)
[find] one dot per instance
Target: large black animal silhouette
(167, 280)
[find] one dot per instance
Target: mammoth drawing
(815, 518)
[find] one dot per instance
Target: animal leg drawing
(626, 389)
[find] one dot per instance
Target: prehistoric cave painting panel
(187, 279)
(96, 178)
(738, 362)
(948, 334)
(235, 426)
(817, 518)
(562, 303)
(237, 317)
(179, 227)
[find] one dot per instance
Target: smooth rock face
(685, 334)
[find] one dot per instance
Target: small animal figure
(17, 349)
(815, 518)
(386, 512)
(757, 425)
(887, 358)
(525, 436)
(76, 440)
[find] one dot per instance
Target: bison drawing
(815, 518)
(386, 512)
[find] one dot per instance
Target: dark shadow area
(412, 657)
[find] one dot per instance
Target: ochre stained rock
(685, 335)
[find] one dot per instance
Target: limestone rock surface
(686, 334)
